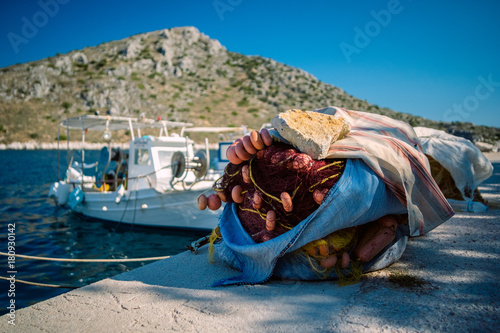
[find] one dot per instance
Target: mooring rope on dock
(40, 284)
(84, 260)
(70, 260)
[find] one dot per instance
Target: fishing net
(271, 172)
(333, 218)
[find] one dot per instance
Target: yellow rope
(257, 186)
(211, 249)
(336, 163)
(262, 215)
(285, 226)
(324, 180)
(215, 185)
(230, 175)
(40, 284)
(322, 274)
(331, 164)
(337, 242)
(295, 191)
(353, 275)
(84, 260)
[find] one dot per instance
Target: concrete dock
(446, 281)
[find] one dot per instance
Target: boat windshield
(164, 156)
(142, 157)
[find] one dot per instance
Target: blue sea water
(42, 229)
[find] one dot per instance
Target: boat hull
(148, 207)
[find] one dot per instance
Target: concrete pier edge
(447, 280)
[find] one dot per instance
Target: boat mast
(83, 148)
(58, 153)
(164, 128)
(131, 128)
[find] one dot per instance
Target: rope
(336, 163)
(84, 260)
(257, 186)
(230, 175)
(285, 226)
(262, 215)
(340, 241)
(324, 180)
(353, 276)
(322, 274)
(215, 184)
(211, 250)
(295, 191)
(331, 164)
(40, 284)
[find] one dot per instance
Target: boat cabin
(164, 162)
(160, 162)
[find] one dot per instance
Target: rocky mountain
(178, 74)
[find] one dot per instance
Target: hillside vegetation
(178, 74)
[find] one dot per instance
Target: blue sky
(436, 59)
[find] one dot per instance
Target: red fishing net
(268, 178)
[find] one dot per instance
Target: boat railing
(128, 180)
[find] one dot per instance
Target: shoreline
(74, 145)
(493, 157)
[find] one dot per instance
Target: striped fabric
(392, 150)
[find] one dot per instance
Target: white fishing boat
(155, 182)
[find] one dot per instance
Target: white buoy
(104, 208)
(144, 206)
(119, 193)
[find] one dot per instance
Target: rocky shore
(73, 145)
(179, 74)
(33, 145)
